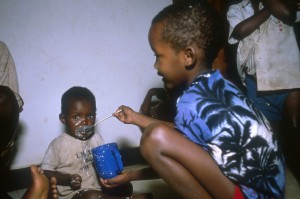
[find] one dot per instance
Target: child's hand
(126, 115)
(75, 182)
(114, 182)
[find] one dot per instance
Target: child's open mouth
(83, 132)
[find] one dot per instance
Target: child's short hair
(79, 93)
(191, 21)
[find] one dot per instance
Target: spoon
(86, 130)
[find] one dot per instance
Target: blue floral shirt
(214, 114)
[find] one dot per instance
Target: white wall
(57, 44)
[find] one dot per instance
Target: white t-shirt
(270, 52)
(69, 155)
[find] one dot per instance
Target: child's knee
(154, 133)
(154, 136)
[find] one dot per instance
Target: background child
(268, 62)
(220, 146)
(160, 103)
(68, 157)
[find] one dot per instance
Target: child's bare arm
(128, 176)
(246, 27)
(129, 116)
(72, 180)
(282, 10)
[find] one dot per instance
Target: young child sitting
(220, 145)
(68, 157)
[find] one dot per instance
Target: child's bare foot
(40, 185)
(53, 193)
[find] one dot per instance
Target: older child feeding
(220, 145)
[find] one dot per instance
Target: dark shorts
(271, 105)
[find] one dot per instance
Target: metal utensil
(85, 131)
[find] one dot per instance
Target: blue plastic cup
(107, 160)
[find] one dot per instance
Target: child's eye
(76, 117)
(91, 116)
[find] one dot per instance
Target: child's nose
(84, 121)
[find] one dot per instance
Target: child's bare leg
(40, 185)
(185, 166)
(291, 132)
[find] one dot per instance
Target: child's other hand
(75, 182)
(126, 115)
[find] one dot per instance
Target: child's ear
(190, 56)
(62, 118)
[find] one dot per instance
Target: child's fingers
(107, 183)
(41, 171)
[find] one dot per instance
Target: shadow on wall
(130, 155)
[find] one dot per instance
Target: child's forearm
(282, 10)
(142, 174)
(143, 121)
(249, 25)
(62, 179)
